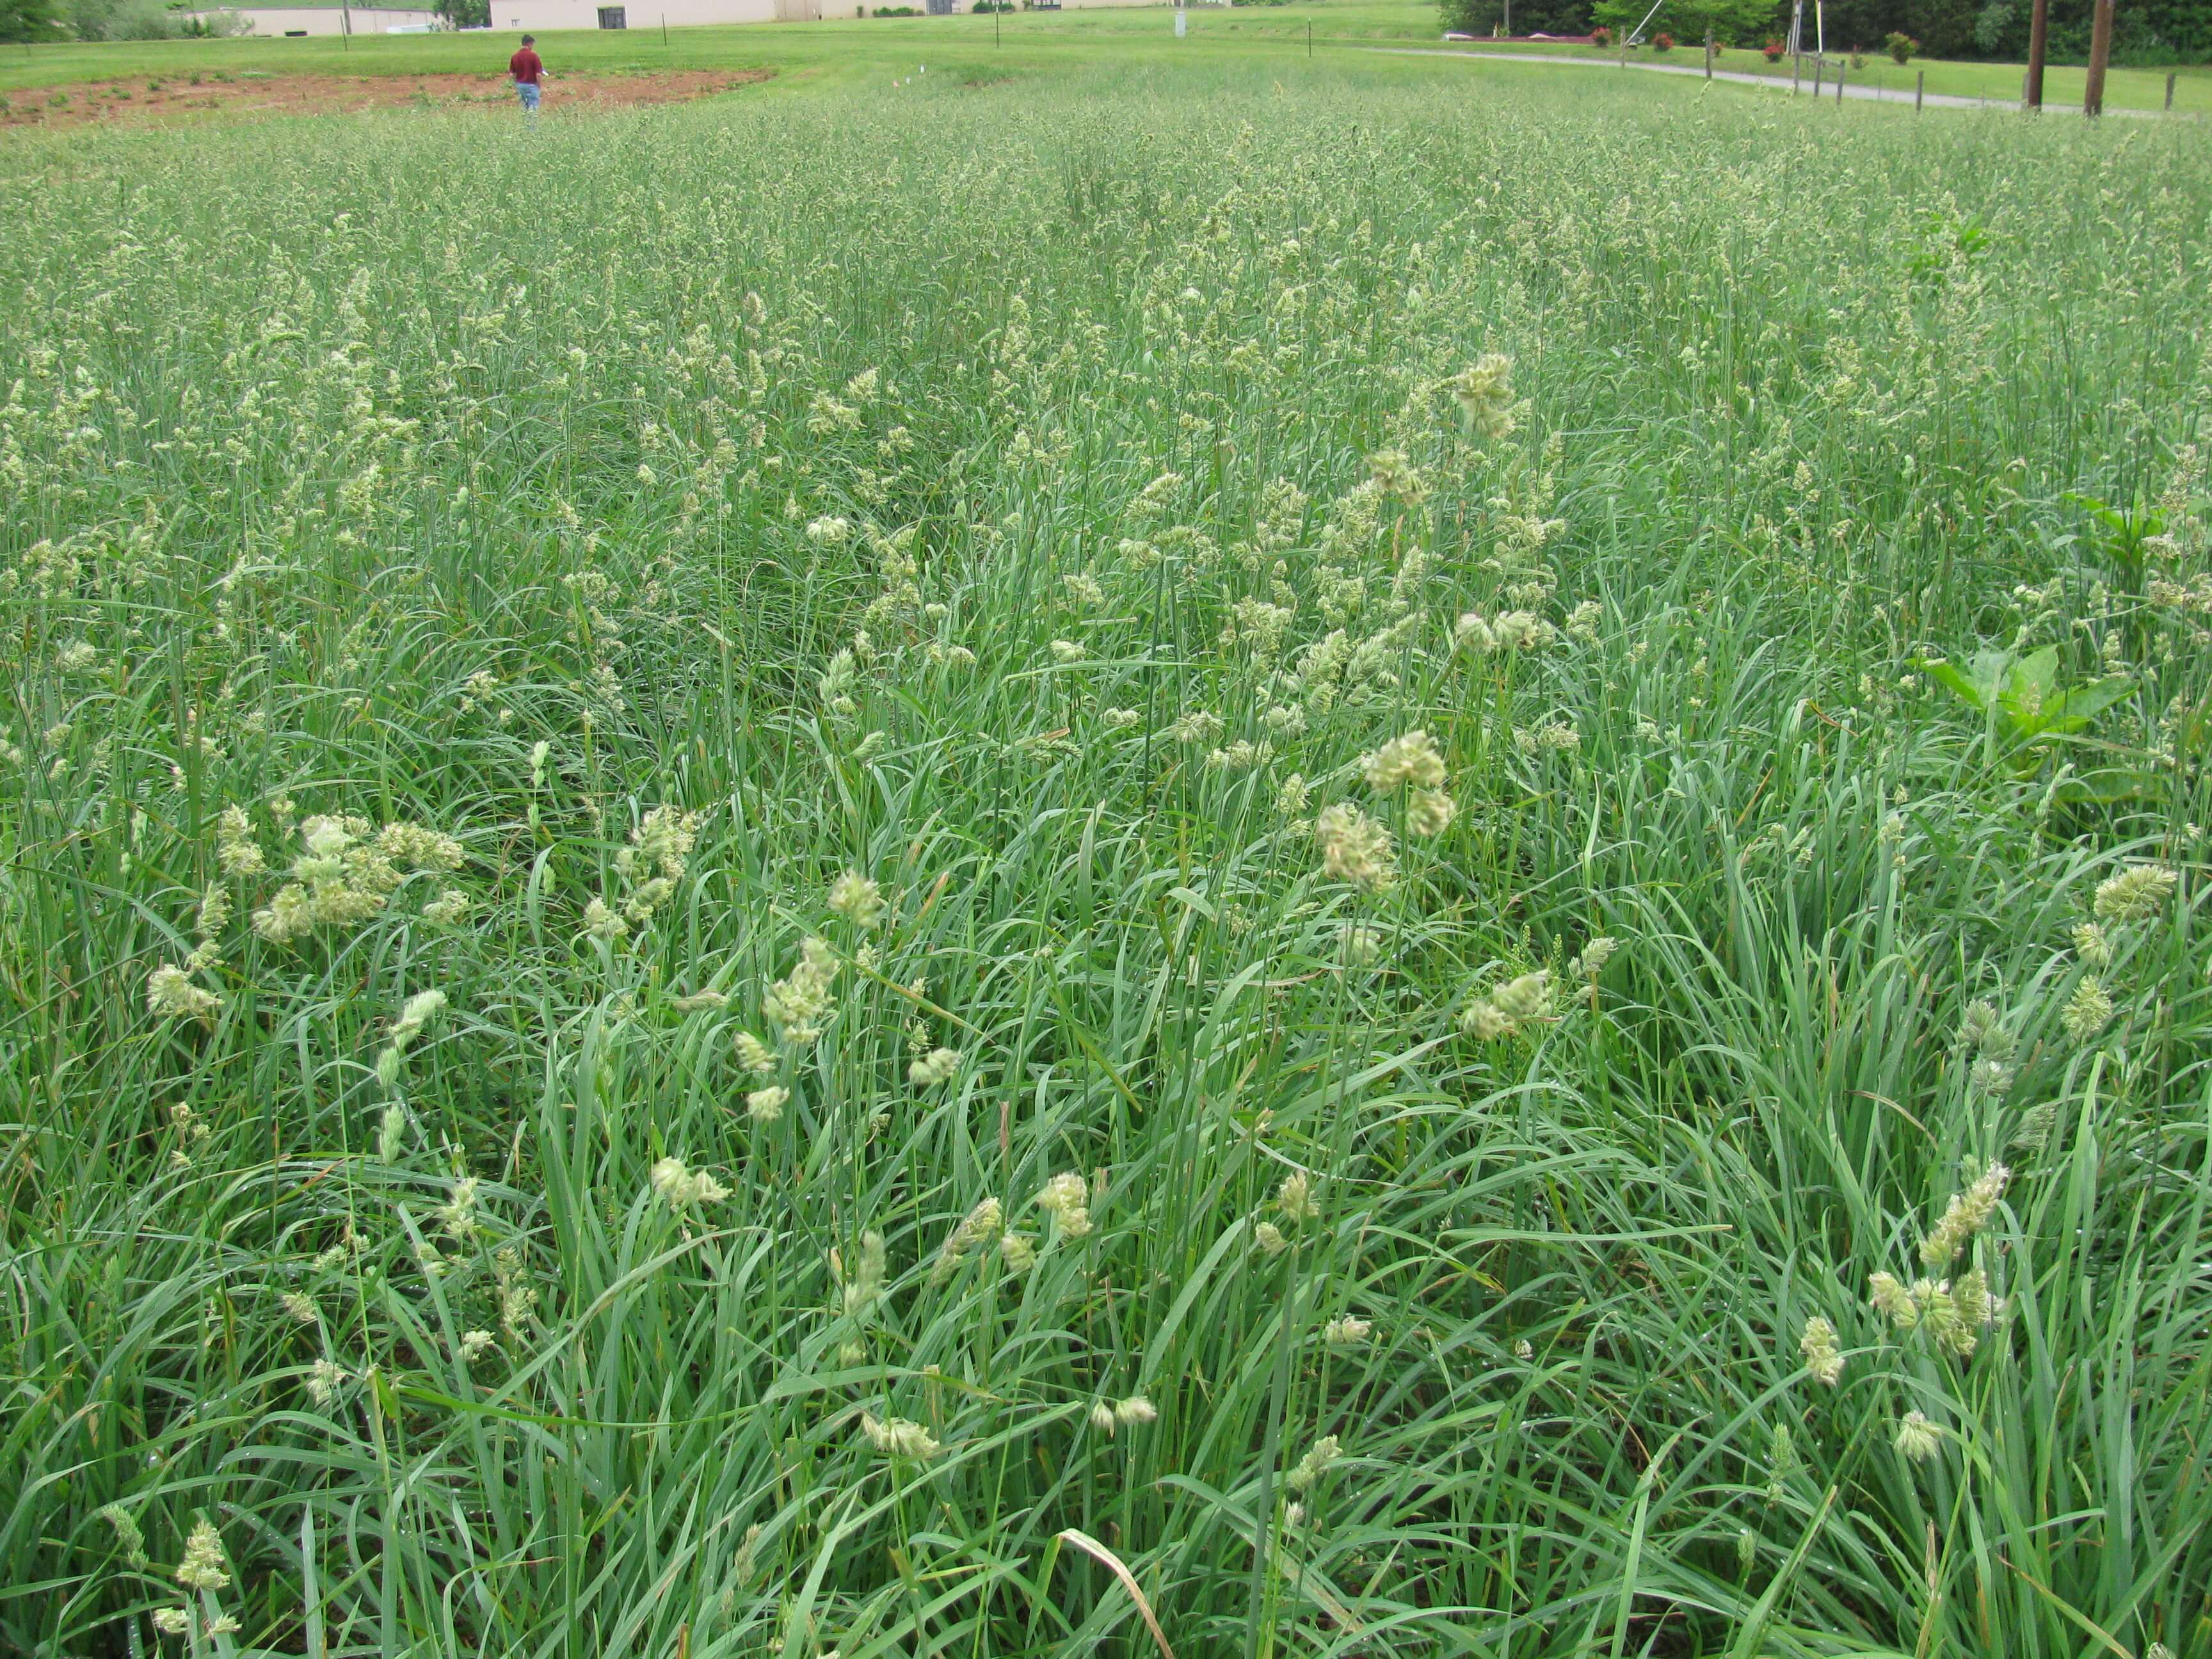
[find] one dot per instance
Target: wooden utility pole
(1709, 50)
(2038, 31)
(2100, 54)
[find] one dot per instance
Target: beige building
(333, 19)
(544, 17)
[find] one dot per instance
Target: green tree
(1735, 22)
(466, 13)
(32, 20)
(1530, 16)
(1944, 28)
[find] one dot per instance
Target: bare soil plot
(253, 96)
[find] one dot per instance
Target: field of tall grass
(1247, 862)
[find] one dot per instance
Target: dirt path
(253, 96)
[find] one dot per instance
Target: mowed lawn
(848, 52)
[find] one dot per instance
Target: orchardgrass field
(1381, 859)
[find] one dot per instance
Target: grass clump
(1218, 829)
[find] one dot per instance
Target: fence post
(1820, 68)
(1839, 86)
(1919, 91)
(1709, 52)
(2169, 91)
(1796, 72)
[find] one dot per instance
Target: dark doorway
(614, 17)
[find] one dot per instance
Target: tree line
(2144, 31)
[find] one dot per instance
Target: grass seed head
(1067, 1200)
(203, 1567)
(171, 995)
(899, 1436)
(1966, 1214)
(857, 899)
(800, 1005)
(2087, 1013)
(1411, 758)
(1355, 848)
(933, 1067)
(1918, 1439)
(1314, 1464)
(2136, 894)
(1823, 1359)
(682, 1188)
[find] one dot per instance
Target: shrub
(1663, 42)
(26, 20)
(1601, 36)
(1901, 46)
(1858, 59)
(1991, 26)
(1771, 52)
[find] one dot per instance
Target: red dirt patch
(253, 97)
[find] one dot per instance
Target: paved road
(1853, 88)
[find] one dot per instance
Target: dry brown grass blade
(1091, 1546)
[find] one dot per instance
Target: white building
(544, 17)
(334, 20)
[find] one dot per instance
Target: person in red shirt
(524, 66)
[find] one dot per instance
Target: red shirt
(524, 66)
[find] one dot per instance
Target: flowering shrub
(1901, 47)
(1772, 51)
(1663, 42)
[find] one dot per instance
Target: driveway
(1853, 88)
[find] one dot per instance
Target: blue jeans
(528, 93)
